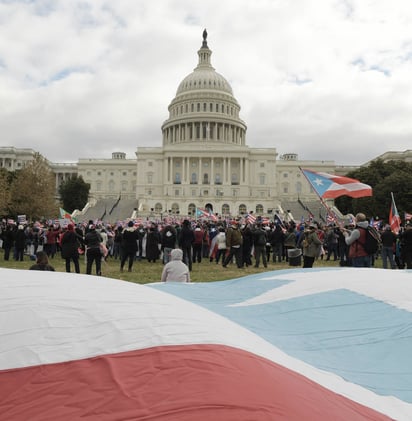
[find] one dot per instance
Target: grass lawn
(144, 272)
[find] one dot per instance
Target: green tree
(4, 192)
(74, 193)
(33, 190)
(384, 178)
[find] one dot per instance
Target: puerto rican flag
(294, 344)
(330, 186)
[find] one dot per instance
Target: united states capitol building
(204, 160)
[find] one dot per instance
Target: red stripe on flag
(208, 382)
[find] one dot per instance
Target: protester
(311, 246)
(221, 245)
(168, 242)
(42, 262)
(153, 244)
(185, 240)
(259, 244)
(175, 270)
(93, 251)
(8, 240)
(129, 245)
(406, 245)
(70, 248)
(19, 243)
(388, 247)
(234, 241)
(355, 240)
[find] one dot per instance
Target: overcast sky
(327, 79)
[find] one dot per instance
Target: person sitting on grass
(175, 270)
(42, 262)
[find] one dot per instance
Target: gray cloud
(328, 80)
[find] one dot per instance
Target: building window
(234, 192)
(158, 207)
(124, 174)
(194, 193)
(198, 106)
(285, 175)
(242, 209)
(206, 178)
(177, 192)
(99, 173)
(124, 185)
(205, 192)
(285, 189)
(111, 186)
(259, 209)
(177, 164)
(225, 209)
(112, 174)
(150, 164)
(298, 187)
(218, 179)
(193, 178)
(177, 178)
(262, 179)
(194, 165)
(99, 186)
(262, 165)
(150, 178)
(204, 106)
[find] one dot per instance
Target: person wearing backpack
(356, 240)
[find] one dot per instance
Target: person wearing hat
(311, 246)
(69, 248)
(355, 240)
(388, 245)
(175, 270)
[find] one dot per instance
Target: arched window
(191, 209)
(242, 209)
(225, 209)
(259, 209)
(178, 180)
(175, 208)
(193, 178)
(158, 208)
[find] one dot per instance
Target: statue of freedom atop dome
(204, 44)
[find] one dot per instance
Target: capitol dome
(204, 107)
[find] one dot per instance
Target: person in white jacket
(175, 270)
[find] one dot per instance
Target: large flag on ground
(394, 218)
(330, 186)
(329, 344)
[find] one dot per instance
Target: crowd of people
(236, 242)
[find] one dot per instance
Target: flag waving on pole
(394, 218)
(331, 186)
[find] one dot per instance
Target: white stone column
(229, 169)
(212, 170)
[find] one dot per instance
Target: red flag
(394, 218)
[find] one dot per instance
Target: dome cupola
(204, 107)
